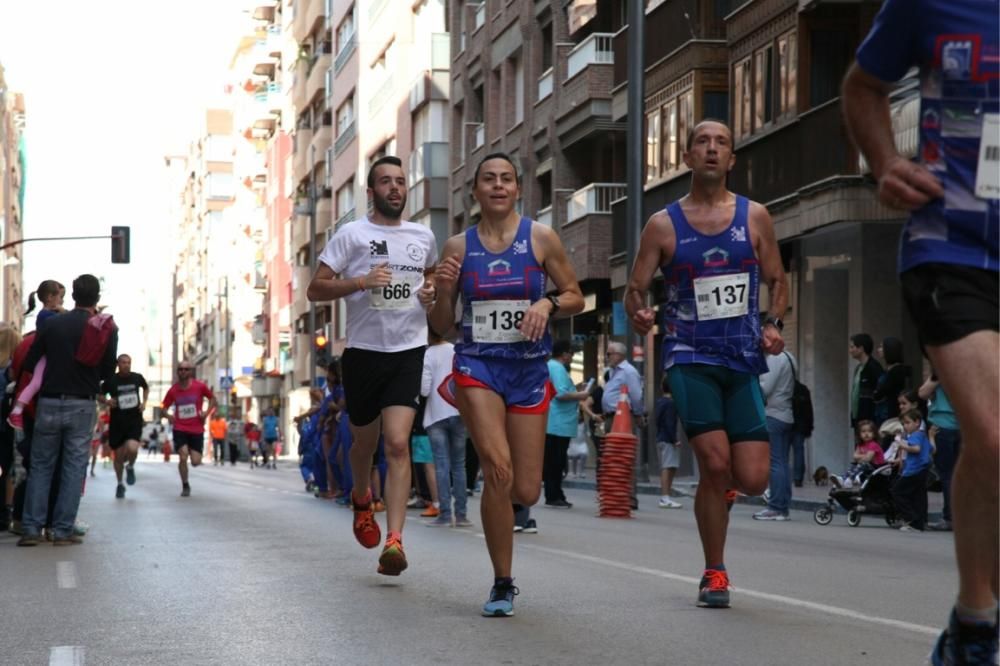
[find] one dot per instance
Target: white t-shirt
(389, 319)
(437, 366)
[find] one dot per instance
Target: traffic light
(120, 245)
(322, 346)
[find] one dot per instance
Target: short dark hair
(86, 290)
(121, 356)
(892, 349)
(496, 156)
(863, 340)
(560, 347)
(388, 159)
(912, 414)
(690, 136)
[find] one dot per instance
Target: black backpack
(802, 405)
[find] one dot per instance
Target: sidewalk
(807, 498)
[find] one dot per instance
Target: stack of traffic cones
(614, 484)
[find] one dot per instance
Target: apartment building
(773, 68)
(533, 79)
(12, 171)
(370, 80)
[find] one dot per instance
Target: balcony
(324, 220)
(344, 54)
(428, 160)
(348, 216)
(545, 84)
(344, 139)
(594, 199)
(382, 95)
(300, 236)
(594, 50)
(545, 216)
(275, 41)
(315, 17)
(430, 86)
(264, 63)
(316, 83)
(301, 77)
(321, 139)
(264, 11)
(300, 160)
(300, 27)
(275, 98)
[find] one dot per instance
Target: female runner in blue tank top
(501, 382)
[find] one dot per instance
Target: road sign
(226, 383)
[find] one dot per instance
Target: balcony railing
(545, 216)
(344, 219)
(381, 96)
(545, 84)
(344, 54)
(594, 50)
(594, 199)
(344, 139)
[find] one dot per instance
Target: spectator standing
(866, 376)
(909, 493)
(217, 429)
(777, 385)
(272, 433)
(947, 443)
(668, 445)
(621, 373)
(65, 415)
(894, 381)
(561, 423)
(447, 433)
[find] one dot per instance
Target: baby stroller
(873, 497)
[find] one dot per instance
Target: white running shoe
(667, 503)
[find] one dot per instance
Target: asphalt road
(251, 570)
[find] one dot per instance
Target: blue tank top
(711, 314)
(512, 275)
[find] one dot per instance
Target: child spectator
(51, 294)
(252, 434)
(578, 449)
(909, 493)
(867, 456)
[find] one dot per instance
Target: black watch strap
(777, 323)
(554, 300)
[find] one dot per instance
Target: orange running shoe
(392, 562)
(731, 496)
(714, 592)
(431, 512)
(366, 530)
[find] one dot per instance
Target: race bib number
(128, 401)
(722, 296)
(988, 169)
(187, 411)
(394, 296)
(498, 321)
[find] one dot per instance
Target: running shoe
(430, 512)
(667, 503)
(501, 602)
(518, 528)
(29, 540)
(130, 475)
(366, 530)
(16, 421)
(71, 540)
(962, 644)
(392, 561)
(440, 521)
(731, 496)
(714, 589)
(120, 492)
(531, 527)
(186, 491)
(769, 514)
(462, 521)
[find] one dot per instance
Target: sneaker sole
(713, 603)
(498, 613)
(392, 563)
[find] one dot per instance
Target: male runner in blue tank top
(713, 248)
(501, 380)
(948, 255)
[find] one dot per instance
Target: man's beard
(385, 208)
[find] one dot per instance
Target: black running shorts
(375, 380)
(195, 441)
(949, 302)
(122, 430)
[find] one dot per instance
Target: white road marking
(66, 655)
(742, 591)
(66, 575)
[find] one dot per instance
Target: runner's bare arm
(442, 315)
(901, 183)
(559, 270)
(328, 286)
(657, 237)
(771, 272)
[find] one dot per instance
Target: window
(669, 143)
(518, 91)
(653, 146)
(741, 98)
(345, 115)
(763, 86)
(345, 31)
(345, 200)
(685, 121)
(826, 73)
(788, 68)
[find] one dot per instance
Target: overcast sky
(111, 86)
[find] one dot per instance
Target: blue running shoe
(501, 603)
(130, 475)
(714, 589)
(961, 645)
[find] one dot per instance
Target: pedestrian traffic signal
(321, 345)
(120, 245)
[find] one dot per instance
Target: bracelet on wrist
(361, 284)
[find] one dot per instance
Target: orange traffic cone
(614, 485)
(622, 422)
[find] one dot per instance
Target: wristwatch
(777, 323)
(554, 300)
